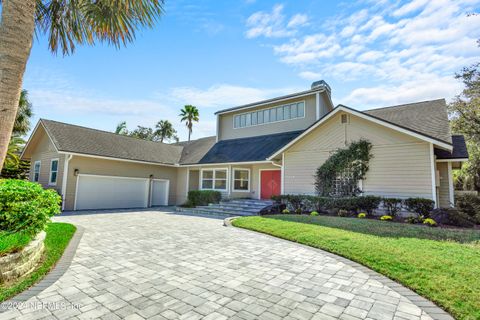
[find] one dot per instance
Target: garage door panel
(160, 192)
(100, 192)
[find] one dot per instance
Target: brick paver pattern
(158, 265)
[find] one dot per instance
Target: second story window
(264, 116)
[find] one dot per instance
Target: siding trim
(433, 173)
(317, 101)
(68, 157)
(282, 175)
(366, 117)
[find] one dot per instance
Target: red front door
(270, 181)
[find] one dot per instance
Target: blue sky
(218, 54)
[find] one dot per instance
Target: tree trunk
(16, 34)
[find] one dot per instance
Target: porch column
(451, 190)
(433, 173)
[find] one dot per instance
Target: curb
(426, 305)
(50, 278)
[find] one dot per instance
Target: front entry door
(270, 181)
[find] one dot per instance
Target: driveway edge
(57, 271)
(426, 305)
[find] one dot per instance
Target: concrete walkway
(160, 265)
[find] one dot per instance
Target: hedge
(368, 204)
(203, 197)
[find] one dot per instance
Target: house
(259, 150)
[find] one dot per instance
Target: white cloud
(381, 48)
(297, 20)
(387, 95)
(222, 95)
(310, 75)
(273, 24)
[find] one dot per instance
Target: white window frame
(214, 179)
(274, 108)
(39, 170)
(249, 179)
(50, 183)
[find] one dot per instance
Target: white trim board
(50, 183)
(453, 160)
(366, 117)
(309, 93)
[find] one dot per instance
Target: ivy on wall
(339, 175)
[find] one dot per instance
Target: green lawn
(13, 242)
(446, 272)
(57, 239)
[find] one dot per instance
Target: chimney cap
(321, 84)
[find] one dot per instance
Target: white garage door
(160, 192)
(105, 192)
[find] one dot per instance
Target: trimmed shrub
(362, 215)
(421, 206)
(368, 203)
(392, 205)
(386, 218)
(452, 217)
(470, 205)
(314, 213)
(203, 197)
(285, 211)
(430, 222)
(26, 206)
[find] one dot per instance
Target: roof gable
(375, 119)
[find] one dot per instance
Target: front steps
(231, 208)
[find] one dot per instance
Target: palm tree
(189, 114)
(66, 24)
(165, 130)
(24, 113)
(122, 128)
(13, 151)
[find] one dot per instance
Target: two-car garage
(112, 192)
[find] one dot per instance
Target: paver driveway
(159, 265)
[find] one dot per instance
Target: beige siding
(401, 165)
(45, 152)
(87, 165)
(443, 186)
(226, 130)
(254, 179)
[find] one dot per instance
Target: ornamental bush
(285, 211)
(386, 218)
(392, 205)
(470, 205)
(26, 206)
(362, 215)
(314, 213)
(421, 206)
(430, 222)
(452, 217)
(368, 203)
(203, 197)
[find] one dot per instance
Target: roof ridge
(403, 105)
(109, 132)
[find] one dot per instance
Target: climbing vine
(339, 175)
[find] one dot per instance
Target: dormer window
(264, 116)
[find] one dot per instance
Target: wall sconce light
(75, 172)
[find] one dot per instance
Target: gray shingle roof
(428, 117)
(195, 150)
(248, 149)
(72, 138)
(459, 149)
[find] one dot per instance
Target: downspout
(68, 157)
